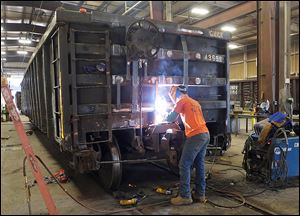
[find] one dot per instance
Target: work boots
(181, 200)
(198, 198)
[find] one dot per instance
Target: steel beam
(227, 15)
(21, 27)
(103, 6)
(14, 64)
(169, 15)
(15, 71)
(16, 43)
(244, 37)
(247, 41)
(156, 10)
(48, 5)
(132, 7)
(14, 52)
(17, 59)
(267, 53)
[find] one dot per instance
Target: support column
(169, 15)
(156, 10)
(284, 55)
(267, 53)
(245, 63)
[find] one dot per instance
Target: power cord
(280, 170)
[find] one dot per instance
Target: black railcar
(97, 99)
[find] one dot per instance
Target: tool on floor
(133, 200)
(6, 93)
(163, 191)
(29, 132)
(60, 176)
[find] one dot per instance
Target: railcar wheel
(110, 175)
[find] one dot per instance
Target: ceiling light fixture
(21, 52)
(232, 46)
(200, 11)
(24, 41)
(228, 28)
(3, 52)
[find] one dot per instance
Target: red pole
(6, 93)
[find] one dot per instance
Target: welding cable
(282, 172)
(208, 173)
(238, 170)
(226, 193)
(243, 193)
(164, 168)
(224, 164)
(92, 209)
(27, 186)
(254, 194)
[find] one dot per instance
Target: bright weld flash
(161, 107)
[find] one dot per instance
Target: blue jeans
(193, 152)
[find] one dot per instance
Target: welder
(194, 149)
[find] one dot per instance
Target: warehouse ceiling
(28, 20)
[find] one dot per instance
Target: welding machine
(273, 161)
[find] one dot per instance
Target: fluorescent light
(228, 28)
(13, 21)
(21, 52)
(2, 43)
(1, 28)
(24, 41)
(200, 11)
(232, 46)
(3, 52)
(3, 59)
(39, 23)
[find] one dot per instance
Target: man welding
(194, 149)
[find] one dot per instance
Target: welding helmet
(182, 89)
(176, 91)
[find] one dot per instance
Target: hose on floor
(228, 194)
(27, 186)
(77, 201)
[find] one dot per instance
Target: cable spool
(142, 40)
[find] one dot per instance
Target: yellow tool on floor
(163, 191)
(127, 202)
(134, 200)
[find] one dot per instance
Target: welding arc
(83, 205)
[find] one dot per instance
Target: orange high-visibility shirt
(191, 115)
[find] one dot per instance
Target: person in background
(194, 149)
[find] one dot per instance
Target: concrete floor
(144, 176)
